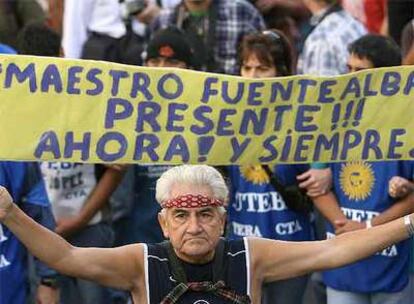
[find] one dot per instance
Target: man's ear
(223, 222)
(162, 219)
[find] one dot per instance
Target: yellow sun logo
(357, 179)
(255, 174)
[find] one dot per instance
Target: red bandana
(191, 201)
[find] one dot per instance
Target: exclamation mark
(359, 111)
(348, 113)
(204, 146)
(335, 115)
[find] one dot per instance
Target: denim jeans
(285, 291)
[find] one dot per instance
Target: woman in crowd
(261, 204)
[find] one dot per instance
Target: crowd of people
(136, 207)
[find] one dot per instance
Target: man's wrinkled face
(356, 63)
(193, 232)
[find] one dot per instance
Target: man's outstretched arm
(273, 260)
(118, 267)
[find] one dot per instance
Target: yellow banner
(89, 111)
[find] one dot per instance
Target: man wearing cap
(135, 196)
(214, 29)
(169, 48)
(196, 265)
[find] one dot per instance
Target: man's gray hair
(192, 175)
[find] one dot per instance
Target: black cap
(171, 43)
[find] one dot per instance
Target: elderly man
(196, 265)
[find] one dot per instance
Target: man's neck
(195, 259)
(198, 8)
(317, 7)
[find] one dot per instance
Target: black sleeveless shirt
(160, 280)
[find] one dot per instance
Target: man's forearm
(274, 260)
(100, 195)
(38, 239)
(329, 207)
(42, 215)
(398, 209)
(353, 246)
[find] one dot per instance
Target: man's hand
(151, 11)
(47, 295)
(65, 227)
(316, 181)
(6, 203)
(117, 167)
(344, 226)
(400, 187)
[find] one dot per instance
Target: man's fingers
(340, 223)
(316, 193)
(3, 191)
(339, 231)
(307, 183)
(303, 176)
(6, 202)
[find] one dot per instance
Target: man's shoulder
(341, 21)
(241, 6)
(244, 4)
(337, 30)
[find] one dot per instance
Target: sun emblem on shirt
(357, 180)
(255, 174)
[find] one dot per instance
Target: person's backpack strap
(217, 286)
(209, 41)
(220, 261)
(293, 196)
(274, 181)
(177, 269)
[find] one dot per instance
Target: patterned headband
(191, 201)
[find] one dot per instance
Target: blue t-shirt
(257, 209)
(5, 49)
(25, 184)
(362, 192)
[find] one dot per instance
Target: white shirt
(169, 3)
(81, 16)
(68, 187)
